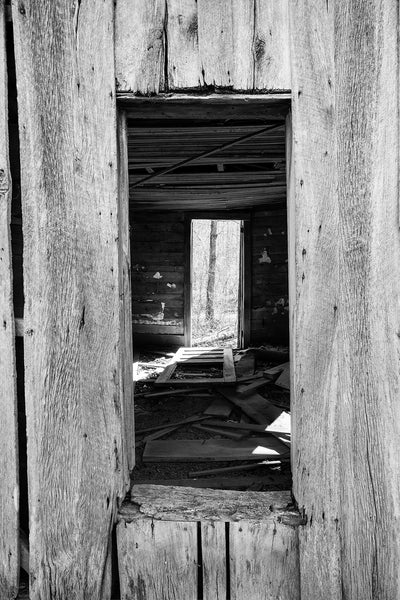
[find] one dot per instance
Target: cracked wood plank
(67, 123)
(140, 46)
(9, 495)
(346, 349)
(157, 559)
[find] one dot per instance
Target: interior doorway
(216, 278)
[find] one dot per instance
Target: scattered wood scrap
(283, 380)
(200, 356)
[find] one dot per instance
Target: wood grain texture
(9, 487)
(183, 49)
(140, 45)
(67, 121)
(126, 345)
(157, 560)
(186, 45)
(264, 561)
(213, 549)
(186, 504)
(271, 45)
(345, 353)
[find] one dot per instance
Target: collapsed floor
(213, 435)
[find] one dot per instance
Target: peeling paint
(265, 258)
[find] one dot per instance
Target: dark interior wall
(158, 258)
(270, 295)
(157, 250)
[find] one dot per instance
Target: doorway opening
(215, 282)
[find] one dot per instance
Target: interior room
(209, 284)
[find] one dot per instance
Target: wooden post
(346, 378)
(67, 120)
(126, 346)
(9, 485)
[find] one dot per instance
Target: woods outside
(215, 281)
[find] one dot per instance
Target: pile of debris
(208, 405)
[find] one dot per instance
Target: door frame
(244, 275)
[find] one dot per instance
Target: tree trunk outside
(211, 271)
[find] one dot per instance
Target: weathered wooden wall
(158, 246)
(9, 496)
(76, 464)
(344, 197)
(197, 44)
(187, 543)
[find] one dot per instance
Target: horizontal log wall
(166, 45)
(269, 295)
(157, 272)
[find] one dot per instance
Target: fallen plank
(157, 434)
(169, 393)
(219, 483)
(233, 435)
(245, 365)
(283, 380)
(274, 371)
(255, 427)
(213, 450)
(248, 388)
(247, 467)
(219, 407)
(192, 419)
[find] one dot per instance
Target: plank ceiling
(247, 174)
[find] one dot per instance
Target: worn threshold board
(200, 356)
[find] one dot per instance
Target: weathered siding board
(183, 44)
(9, 486)
(126, 345)
(183, 48)
(67, 118)
(346, 379)
(157, 559)
(140, 45)
(264, 561)
(214, 560)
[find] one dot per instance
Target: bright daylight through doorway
(215, 280)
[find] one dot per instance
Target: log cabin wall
(157, 267)
(158, 277)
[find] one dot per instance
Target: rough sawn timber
(346, 348)
(168, 45)
(67, 123)
(9, 487)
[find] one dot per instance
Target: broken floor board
(275, 371)
(205, 356)
(170, 503)
(246, 467)
(213, 450)
(219, 407)
(283, 380)
(157, 560)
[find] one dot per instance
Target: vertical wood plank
(9, 486)
(226, 31)
(345, 63)
(157, 559)
(67, 120)
(187, 282)
(263, 561)
(271, 45)
(213, 546)
(140, 51)
(126, 346)
(183, 48)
